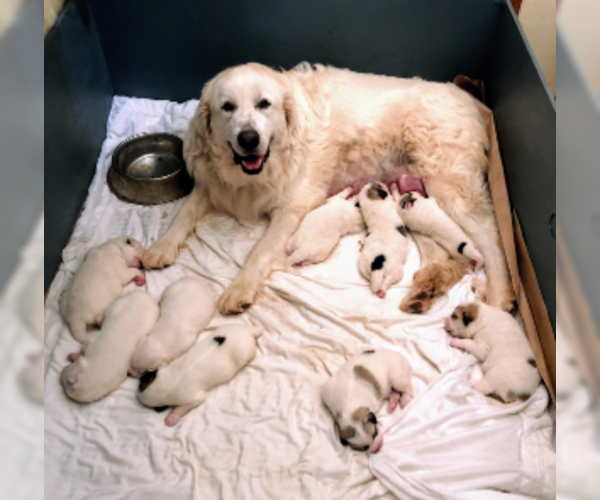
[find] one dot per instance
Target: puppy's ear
(469, 314)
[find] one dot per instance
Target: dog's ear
(469, 313)
(292, 115)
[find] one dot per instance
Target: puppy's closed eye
(128, 241)
(372, 418)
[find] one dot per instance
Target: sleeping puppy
(321, 229)
(211, 362)
(425, 216)
(101, 365)
(385, 248)
(100, 279)
(355, 393)
(495, 338)
(186, 308)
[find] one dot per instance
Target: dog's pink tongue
(377, 443)
(410, 183)
(254, 163)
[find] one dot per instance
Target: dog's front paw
(162, 254)
(238, 298)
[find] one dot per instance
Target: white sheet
(266, 435)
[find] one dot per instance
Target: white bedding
(266, 435)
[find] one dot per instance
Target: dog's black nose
(248, 139)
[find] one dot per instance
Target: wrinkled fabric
(266, 434)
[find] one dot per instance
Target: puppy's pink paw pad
(139, 280)
(381, 294)
(405, 401)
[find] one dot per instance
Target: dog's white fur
(356, 392)
(386, 240)
(186, 308)
(320, 231)
(101, 365)
(100, 279)
(325, 129)
(425, 216)
(186, 381)
(496, 339)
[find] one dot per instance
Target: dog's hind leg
(474, 213)
(164, 252)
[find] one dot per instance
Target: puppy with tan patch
(495, 338)
(186, 308)
(385, 248)
(425, 216)
(321, 230)
(211, 362)
(100, 279)
(101, 365)
(356, 392)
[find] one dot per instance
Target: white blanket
(266, 434)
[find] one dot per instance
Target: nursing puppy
(385, 247)
(100, 279)
(101, 365)
(425, 216)
(321, 230)
(186, 308)
(495, 338)
(211, 362)
(355, 393)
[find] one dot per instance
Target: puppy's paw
(171, 420)
(140, 280)
(162, 254)
(393, 402)
(405, 400)
(238, 298)
(456, 344)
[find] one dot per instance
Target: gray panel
(21, 134)
(168, 50)
(526, 125)
(78, 97)
(577, 156)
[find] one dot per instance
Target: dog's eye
(372, 418)
(344, 442)
(454, 316)
(263, 104)
(228, 106)
(128, 242)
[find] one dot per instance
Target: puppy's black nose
(248, 139)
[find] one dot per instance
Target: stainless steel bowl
(148, 169)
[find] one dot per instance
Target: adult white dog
(265, 143)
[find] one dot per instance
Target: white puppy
(186, 308)
(101, 365)
(321, 229)
(355, 394)
(425, 216)
(211, 362)
(495, 338)
(100, 279)
(385, 247)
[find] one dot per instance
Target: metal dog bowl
(148, 169)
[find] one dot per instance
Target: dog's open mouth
(251, 164)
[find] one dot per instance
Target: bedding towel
(266, 435)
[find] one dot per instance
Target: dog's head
(245, 113)
(72, 375)
(409, 199)
(357, 430)
(132, 250)
(461, 322)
